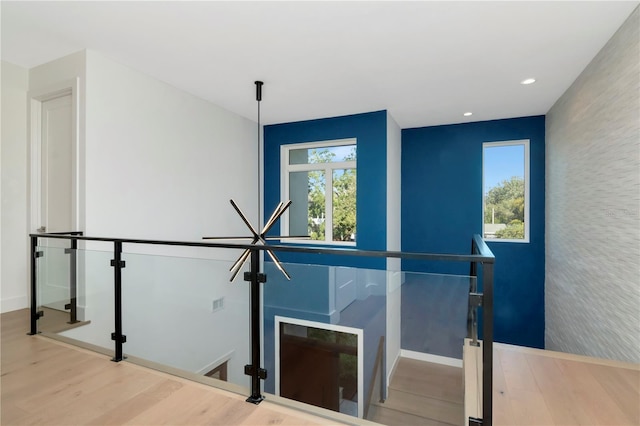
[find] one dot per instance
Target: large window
(320, 180)
(505, 168)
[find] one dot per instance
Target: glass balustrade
(381, 344)
(183, 313)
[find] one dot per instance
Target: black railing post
(73, 283)
(472, 309)
(487, 344)
(35, 314)
(254, 370)
(117, 336)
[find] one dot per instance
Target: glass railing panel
(398, 335)
(52, 278)
(88, 319)
(330, 320)
(95, 300)
(184, 313)
(434, 313)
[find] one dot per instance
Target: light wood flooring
(50, 383)
(536, 387)
(422, 393)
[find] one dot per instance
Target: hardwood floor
(536, 387)
(50, 383)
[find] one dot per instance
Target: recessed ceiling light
(528, 81)
(467, 114)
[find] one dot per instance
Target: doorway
(53, 184)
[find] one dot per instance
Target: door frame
(35, 98)
(332, 327)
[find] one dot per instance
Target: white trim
(435, 359)
(10, 304)
(224, 358)
(35, 99)
(393, 368)
(527, 205)
(332, 327)
(328, 168)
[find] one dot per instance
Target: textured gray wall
(592, 283)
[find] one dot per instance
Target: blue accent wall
(442, 209)
(370, 130)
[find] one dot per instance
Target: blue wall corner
(442, 209)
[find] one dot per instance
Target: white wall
(13, 153)
(162, 164)
(394, 276)
(592, 293)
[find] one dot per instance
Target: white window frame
(323, 326)
(328, 169)
(527, 206)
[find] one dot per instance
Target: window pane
(344, 205)
(307, 211)
(504, 192)
(330, 154)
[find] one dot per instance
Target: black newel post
(255, 277)
(35, 254)
(117, 336)
(73, 283)
(487, 345)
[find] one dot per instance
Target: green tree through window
(505, 176)
(331, 180)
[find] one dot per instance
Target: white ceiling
(425, 62)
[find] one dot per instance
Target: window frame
(527, 198)
(328, 168)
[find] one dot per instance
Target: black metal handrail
(480, 255)
(484, 255)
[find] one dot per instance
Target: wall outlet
(217, 304)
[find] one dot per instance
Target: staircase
(422, 393)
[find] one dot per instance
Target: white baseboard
(436, 359)
(10, 304)
(392, 370)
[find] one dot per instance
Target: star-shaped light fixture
(258, 238)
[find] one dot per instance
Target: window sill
(319, 243)
(502, 240)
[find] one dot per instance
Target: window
(320, 180)
(505, 209)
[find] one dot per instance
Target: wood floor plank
(82, 406)
(137, 404)
(623, 386)
(533, 386)
(590, 394)
(175, 407)
(553, 386)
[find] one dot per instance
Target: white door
(56, 198)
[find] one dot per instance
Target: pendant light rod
(259, 85)
(259, 90)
